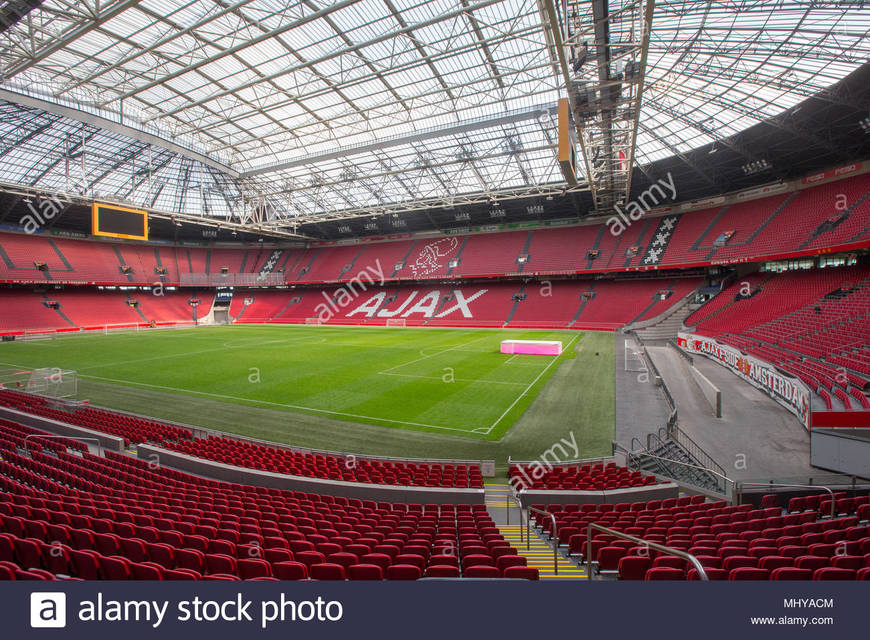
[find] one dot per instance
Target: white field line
(432, 355)
(509, 360)
(224, 347)
(316, 410)
(406, 375)
(526, 390)
(276, 404)
(266, 402)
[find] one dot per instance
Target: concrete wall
(614, 496)
(841, 450)
(112, 443)
(711, 392)
(361, 490)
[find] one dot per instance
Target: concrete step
(537, 550)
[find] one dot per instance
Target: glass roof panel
(272, 88)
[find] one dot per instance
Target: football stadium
(496, 296)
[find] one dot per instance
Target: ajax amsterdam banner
(790, 392)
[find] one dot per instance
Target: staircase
(674, 460)
(537, 550)
(666, 325)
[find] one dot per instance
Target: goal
(53, 382)
(396, 322)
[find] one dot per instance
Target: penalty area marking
(526, 390)
(437, 353)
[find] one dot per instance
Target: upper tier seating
(724, 538)
(810, 219)
(248, 454)
(120, 518)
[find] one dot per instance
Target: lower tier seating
(72, 309)
(742, 542)
(333, 467)
(118, 518)
(596, 477)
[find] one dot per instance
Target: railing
(633, 456)
(512, 496)
(39, 435)
(566, 463)
(672, 405)
(695, 451)
(529, 512)
(723, 481)
(641, 543)
(685, 355)
(739, 491)
(659, 440)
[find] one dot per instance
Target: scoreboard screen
(119, 222)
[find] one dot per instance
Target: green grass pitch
(452, 382)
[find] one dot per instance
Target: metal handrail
(702, 574)
(692, 466)
(555, 535)
(693, 446)
(564, 463)
(644, 450)
(793, 486)
(657, 436)
(37, 435)
(634, 462)
(519, 503)
(686, 464)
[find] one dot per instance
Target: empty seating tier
(594, 477)
(731, 542)
(119, 518)
(135, 429)
(776, 226)
(811, 324)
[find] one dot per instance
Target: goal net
(53, 382)
(395, 322)
(634, 358)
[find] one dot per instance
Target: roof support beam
(426, 134)
(108, 12)
(115, 127)
(309, 63)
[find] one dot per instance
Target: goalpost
(53, 382)
(396, 322)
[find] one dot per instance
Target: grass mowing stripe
(246, 400)
(335, 369)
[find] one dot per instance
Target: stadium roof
(309, 111)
